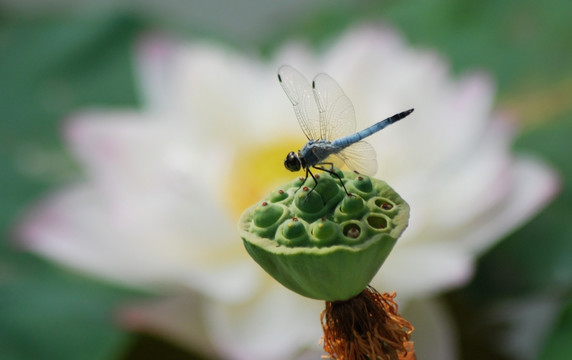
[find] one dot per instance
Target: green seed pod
(320, 242)
(351, 207)
(327, 188)
(267, 217)
(324, 232)
(308, 202)
(278, 195)
(293, 232)
(361, 185)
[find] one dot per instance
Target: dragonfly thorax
(294, 162)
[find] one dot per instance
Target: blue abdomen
(354, 138)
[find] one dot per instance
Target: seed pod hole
(377, 222)
(352, 231)
(385, 205)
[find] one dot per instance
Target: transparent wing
(359, 157)
(336, 160)
(302, 98)
(337, 115)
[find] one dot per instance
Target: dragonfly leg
(313, 177)
(306, 178)
(303, 182)
(332, 172)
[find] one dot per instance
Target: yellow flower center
(257, 170)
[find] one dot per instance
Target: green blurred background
(60, 56)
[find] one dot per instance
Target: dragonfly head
(293, 162)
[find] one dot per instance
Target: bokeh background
(60, 56)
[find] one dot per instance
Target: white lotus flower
(165, 186)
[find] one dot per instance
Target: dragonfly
(327, 118)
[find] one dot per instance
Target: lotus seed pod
(278, 195)
(293, 232)
(351, 207)
(361, 185)
(318, 241)
(327, 188)
(308, 202)
(267, 217)
(324, 232)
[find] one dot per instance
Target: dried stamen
(366, 327)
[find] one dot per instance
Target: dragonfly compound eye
(292, 162)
